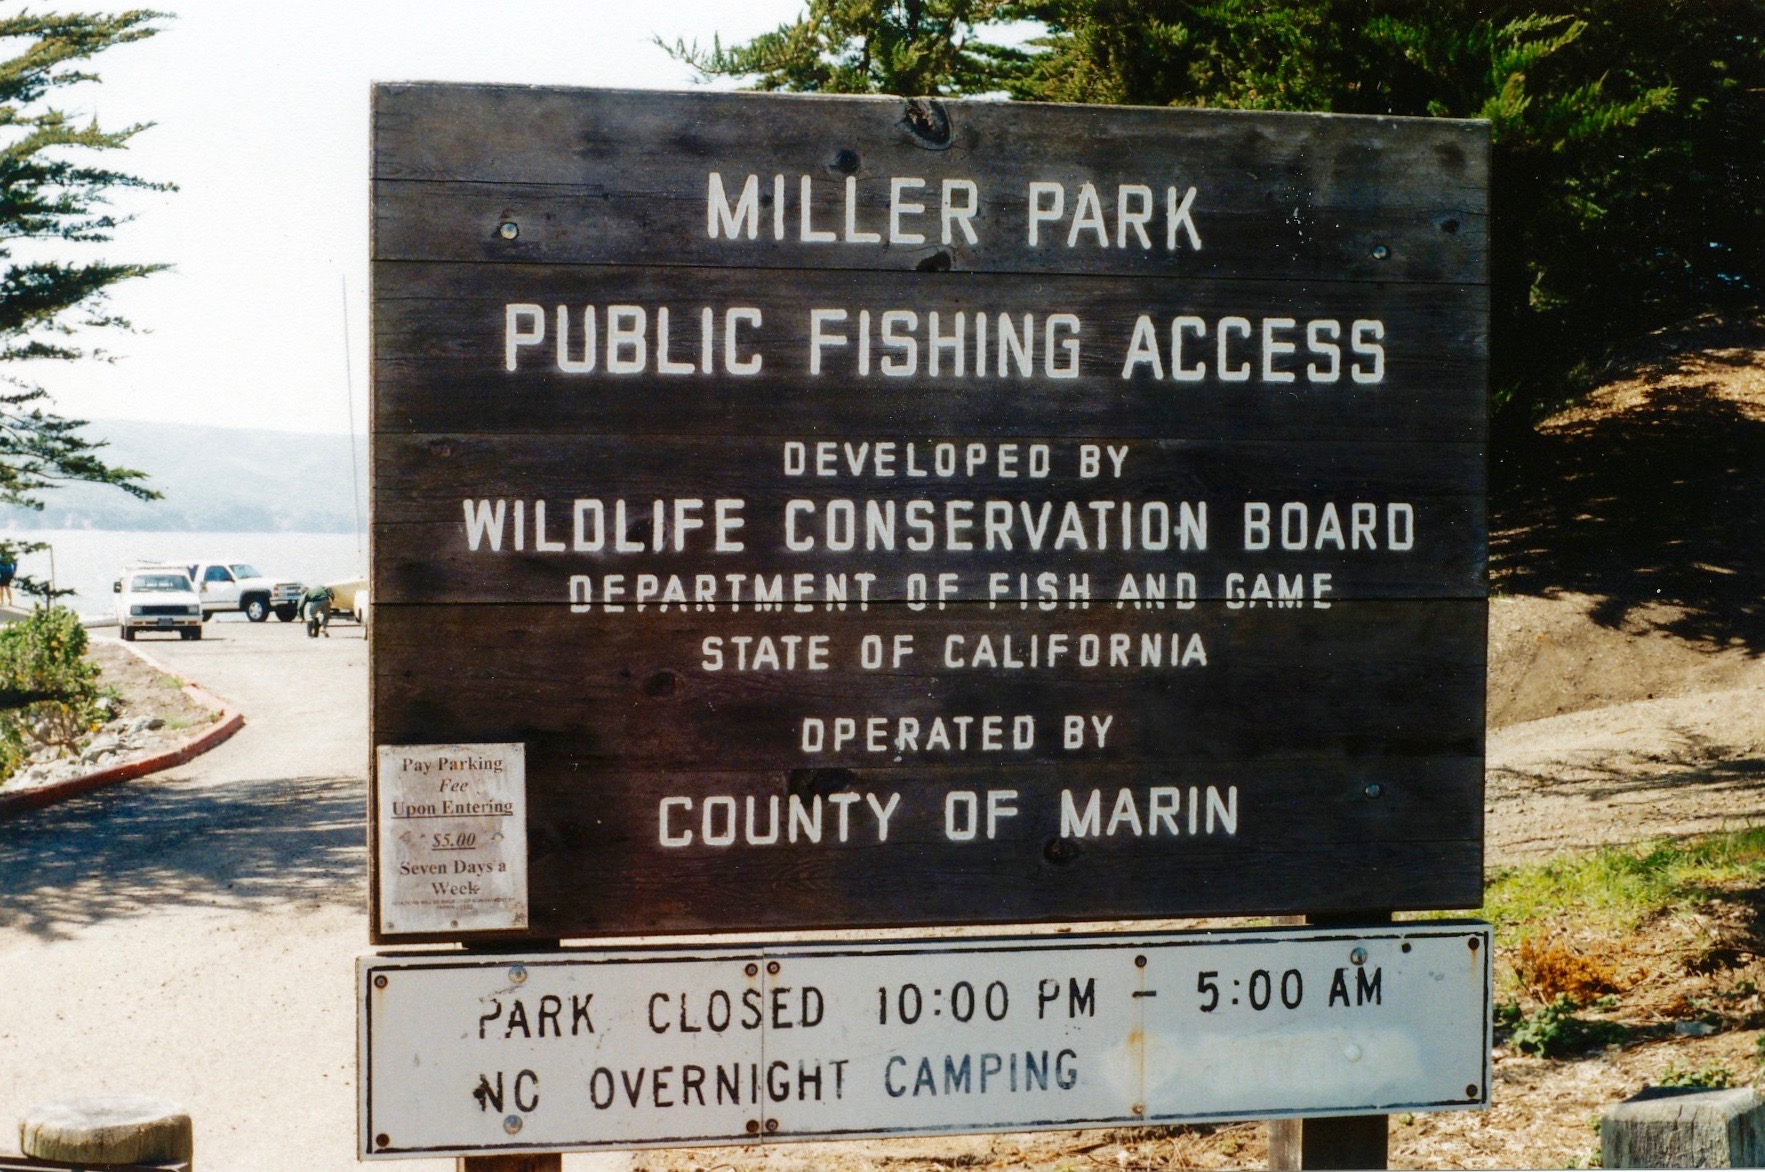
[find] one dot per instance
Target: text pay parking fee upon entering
(453, 837)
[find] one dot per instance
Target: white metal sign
(601, 1048)
(453, 837)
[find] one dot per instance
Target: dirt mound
(1647, 500)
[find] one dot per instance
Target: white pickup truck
(238, 586)
(157, 598)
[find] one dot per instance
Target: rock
(1683, 1127)
(119, 1129)
(141, 724)
(1693, 1029)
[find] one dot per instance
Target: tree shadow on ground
(135, 848)
(1659, 502)
(1610, 777)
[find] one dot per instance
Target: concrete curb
(229, 721)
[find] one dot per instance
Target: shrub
(1553, 1031)
(1712, 1078)
(48, 688)
(1550, 971)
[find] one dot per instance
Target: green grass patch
(1617, 888)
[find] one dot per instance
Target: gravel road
(193, 935)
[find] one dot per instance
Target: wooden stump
(118, 1129)
(1670, 1127)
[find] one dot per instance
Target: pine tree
(914, 48)
(1624, 189)
(51, 192)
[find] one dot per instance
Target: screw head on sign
(509, 230)
(1374, 789)
(1472, 944)
(772, 1125)
(1139, 1108)
(1359, 955)
(382, 1140)
(753, 1127)
(1470, 1090)
(1380, 252)
(772, 967)
(752, 970)
(380, 981)
(517, 974)
(512, 1124)
(1139, 962)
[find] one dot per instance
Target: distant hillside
(213, 478)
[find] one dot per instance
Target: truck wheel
(128, 634)
(257, 609)
(286, 613)
(189, 633)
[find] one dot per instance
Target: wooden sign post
(822, 513)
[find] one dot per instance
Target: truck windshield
(143, 583)
(241, 570)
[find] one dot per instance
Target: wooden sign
(883, 512)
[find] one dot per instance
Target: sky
(261, 119)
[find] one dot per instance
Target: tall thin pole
(355, 488)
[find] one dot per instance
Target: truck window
(217, 574)
(244, 571)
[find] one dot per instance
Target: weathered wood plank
(1304, 831)
(441, 338)
(1365, 679)
(791, 497)
(1278, 196)
(1402, 833)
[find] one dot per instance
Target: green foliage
(1626, 169)
(1553, 1031)
(910, 47)
(48, 688)
(1624, 190)
(1713, 1078)
(50, 191)
(1620, 887)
